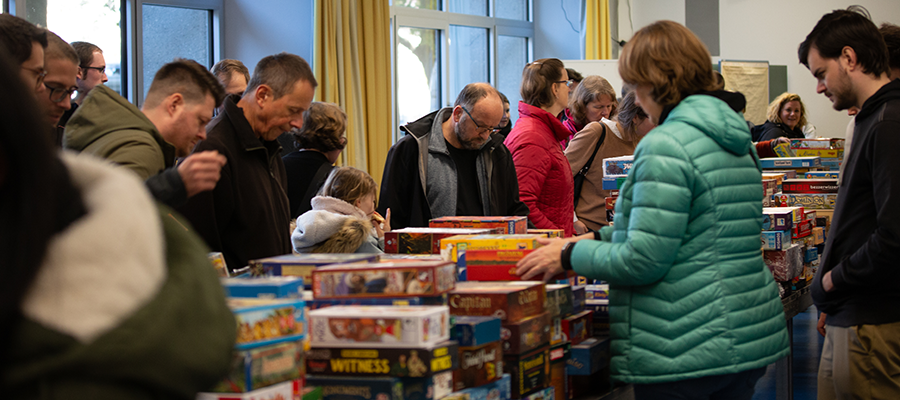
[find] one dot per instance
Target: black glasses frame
(481, 128)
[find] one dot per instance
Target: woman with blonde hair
(694, 311)
(545, 179)
(785, 117)
(605, 139)
(594, 99)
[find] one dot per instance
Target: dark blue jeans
(737, 386)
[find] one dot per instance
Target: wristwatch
(565, 257)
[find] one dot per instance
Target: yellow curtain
(597, 41)
(353, 67)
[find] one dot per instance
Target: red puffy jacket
(545, 178)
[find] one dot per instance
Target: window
(136, 36)
(441, 46)
(174, 32)
(93, 21)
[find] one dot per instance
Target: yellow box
(451, 246)
(550, 233)
(824, 153)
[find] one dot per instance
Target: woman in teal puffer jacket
(693, 308)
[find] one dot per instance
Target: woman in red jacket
(545, 179)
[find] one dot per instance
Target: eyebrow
(818, 73)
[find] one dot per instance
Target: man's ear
(457, 113)
(80, 74)
(848, 58)
(174, 103)
(263, 94)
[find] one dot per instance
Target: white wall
(255, 29)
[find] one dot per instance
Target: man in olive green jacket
(172, 120)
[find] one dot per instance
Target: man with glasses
(452, 162)
(61, 64)
(25, 43)
(92, 73)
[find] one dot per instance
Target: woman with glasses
(319, 143)
(694, 311)
(545, 178)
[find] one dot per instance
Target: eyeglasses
(59, 94)
(101, 70)
(481, 128)
(568, 83)
(40, 72)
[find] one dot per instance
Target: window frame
(441, 20)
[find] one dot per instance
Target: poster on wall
(752, 79)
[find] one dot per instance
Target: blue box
(273, 287)
(302, 265)
(790, 162)
(775, 240)
(811, 254)
(379, 301)
(833, 164)
(596, 292)
(588, 357)
(262, 322)
(475, 331)
(578, 295)
(497, 390)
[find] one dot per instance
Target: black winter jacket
(864, 240)
(402, 185)
(771, 130)
(247, 215)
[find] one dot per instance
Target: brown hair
(86, 52)
(891, 34)
(670, 58)
(323, 126)
(58, 49)
(348, 184)
(186, 77)
(773, 113)
(538, 78)
(590, 89)
(225, 70)
(627, 111)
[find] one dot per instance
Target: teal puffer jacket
(689, 295)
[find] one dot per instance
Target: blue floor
(807, 346)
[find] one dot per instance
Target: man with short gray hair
(247, 215)
(452, 162)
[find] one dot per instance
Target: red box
(510, 225)
(425, 240)
(809, 186)
(577, 328)
(611, 203)
(802, 229)
(493, 265)
(509, 301)
(525, 335)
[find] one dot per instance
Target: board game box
(530, 371)
(271, 287)
(475, 331)
(302, 265)
(525, 335)
(478, 366)
(497, 390)
(508, 225)
(396, 279)
(426, 240)
(262, 366)
(262, 322)
(280, 391)
(379, 326)
(508, 301)
(588, 357)
(400, 362)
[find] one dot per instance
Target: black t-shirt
(301, 168)
(468, 200)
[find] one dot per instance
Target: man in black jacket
(247, 215)
(452, 162)
(857, 287)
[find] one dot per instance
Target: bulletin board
(752, 79)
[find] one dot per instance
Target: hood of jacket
(105, 111)
(715, 118)
(331, 220)
(890, 91)
(560, 131)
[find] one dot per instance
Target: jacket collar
(560, 132)
(242, 129)
(890, 91)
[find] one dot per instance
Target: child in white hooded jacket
(343, 217)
